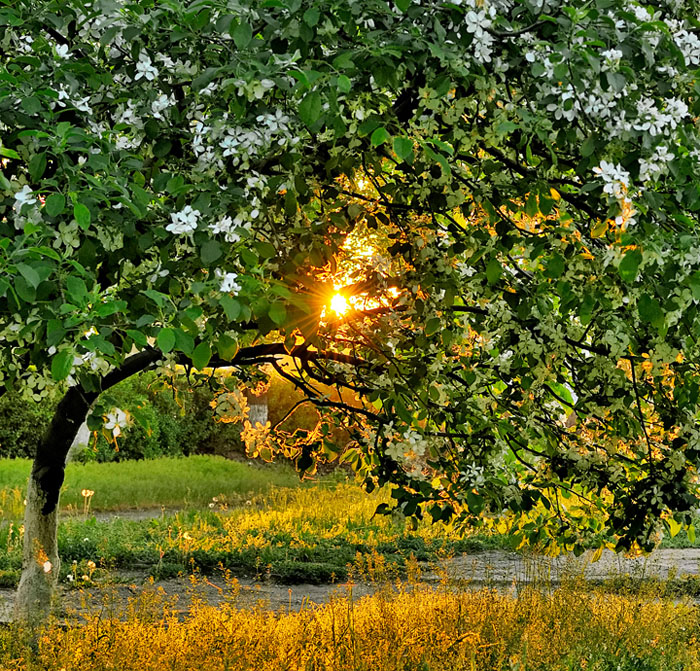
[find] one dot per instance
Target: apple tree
(502, 194)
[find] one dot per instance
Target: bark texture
(40, 564)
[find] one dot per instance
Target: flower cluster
(184, 221)
(228, 282)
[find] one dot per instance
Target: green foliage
(22, 421)
(528, 173)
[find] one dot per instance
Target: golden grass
(407, 628)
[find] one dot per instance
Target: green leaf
(24, 290)
(599, 228)
(139, 338)
(310, 108)
(242, 35)
(555, 266)
(232, 308)
(8, 153)
(265, 250)
(507, 127)
(184, 342)
(588, 147)
(31, 105)
(344, 84)
(650, 310)
(311, 16)
(29, 274)
(432, 326)
(227, 347)
(532, 207)
(162, 147)
(562, 391)
(494, 270)
(403, 148)
(54, 332)
(157, 297)
(166, 340)
(76, 289)
(379, 136)
(694, 284)
(443, 146)
(55, 204)
(403, 5)
(82, 215)
(37, 166)
(629, 266)
(61, 365)
(277, 313)
(103, 345)
(475, 503)
(111, 308)
(210, 252)
(201, 355)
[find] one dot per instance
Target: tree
(504, 193)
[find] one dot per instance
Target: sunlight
(339, 304)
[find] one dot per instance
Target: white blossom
(116, 420)
(228, 282)
(62, 51)
(184, 221)
(160, 104)
(145, 68)
(25, 196)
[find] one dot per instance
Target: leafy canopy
(504, 190)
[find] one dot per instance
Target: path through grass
(288, 535)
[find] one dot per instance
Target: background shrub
(21, 424)
(180, 417)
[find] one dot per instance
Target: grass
(187, 482)
(287, 535)
(412, 629)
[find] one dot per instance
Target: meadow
(168, 482)
(172, 516)
(212, 516)
(408, 628)
(252, 521)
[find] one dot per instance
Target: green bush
(179, 417)
(22, 422)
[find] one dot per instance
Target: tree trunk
(40, 563)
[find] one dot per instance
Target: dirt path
(508, 571)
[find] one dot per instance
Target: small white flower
(62, 51)
(144, 68)
(116, 421)
(184, 221)
(160, 104)
(611, 57)
(25, 196)
(228, 282)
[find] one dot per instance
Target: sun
(339, 304)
